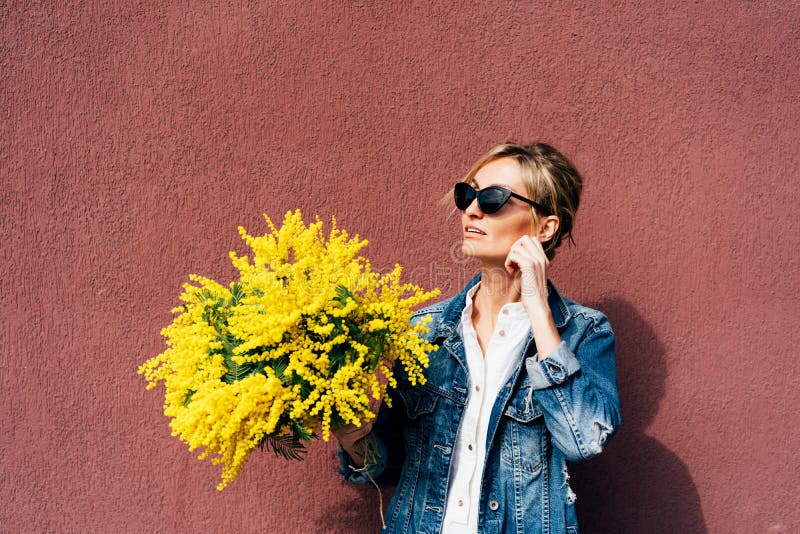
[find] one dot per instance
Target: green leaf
(301, 432)
(279, 365)
(342, 294)
(237, 293)
(377, 351)
(235, 371)
(287, 447)
(305, 386)
(337, 357)
(188, 397)
(336, 420)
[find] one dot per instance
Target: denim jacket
(563, 408)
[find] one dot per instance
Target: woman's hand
(350, 437)
(527, 257)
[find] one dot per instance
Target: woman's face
(496, 232)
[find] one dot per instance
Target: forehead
(504, 172)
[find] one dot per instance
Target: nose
(474, 209)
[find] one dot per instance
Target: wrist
(537, 308)
(542, 323)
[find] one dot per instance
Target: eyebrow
(504, 186)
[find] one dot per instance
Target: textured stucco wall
(136, 136)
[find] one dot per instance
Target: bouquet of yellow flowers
(299, 343)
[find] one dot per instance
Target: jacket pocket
(524, 430)
(417, 400)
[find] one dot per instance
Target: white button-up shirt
(488, 373)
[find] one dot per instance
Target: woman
(523, 380)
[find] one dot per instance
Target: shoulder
(586, 332)
(432, 316)
(436, 309)
(586, 319)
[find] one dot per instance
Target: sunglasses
(490, 199)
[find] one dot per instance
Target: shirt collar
(514, 310)
(451, 315)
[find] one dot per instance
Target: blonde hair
(550, 179)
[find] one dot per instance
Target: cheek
(519, 227)
(508, 231)
(504, 245)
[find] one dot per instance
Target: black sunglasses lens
(463, 194)
(492, 199)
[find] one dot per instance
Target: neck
(498, 288)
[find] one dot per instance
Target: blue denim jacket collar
(447, 327)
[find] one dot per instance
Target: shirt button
(460, 502)
(505, 311)
(493, 505)
(469, 446)
(502, 333)
(477, 388)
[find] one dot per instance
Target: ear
(548, 226)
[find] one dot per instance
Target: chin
(469, 250)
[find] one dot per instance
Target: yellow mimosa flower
(298, 344)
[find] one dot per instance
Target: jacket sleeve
(577, 392)
(387, 433)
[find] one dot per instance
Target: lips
(473, 231)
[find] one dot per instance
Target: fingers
(534, 247)
(526, 253)
(348, 431)
(349, 434)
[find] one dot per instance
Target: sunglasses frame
(476, 195)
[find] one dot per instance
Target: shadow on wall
(637, 484)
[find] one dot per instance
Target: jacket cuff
(553, 370)
(363, 474)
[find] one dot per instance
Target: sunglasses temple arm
(532, 203)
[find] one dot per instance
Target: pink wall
(135, 136)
